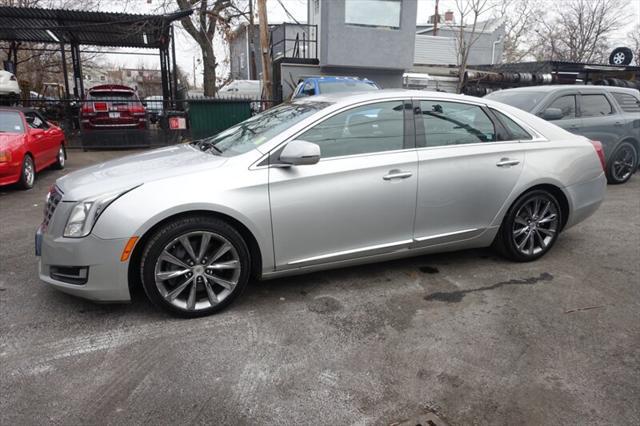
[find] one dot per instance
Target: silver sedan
(322, 182)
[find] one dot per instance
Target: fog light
(70, 274)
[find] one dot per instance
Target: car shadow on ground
(266, 293)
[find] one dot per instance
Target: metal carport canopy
(86, 28)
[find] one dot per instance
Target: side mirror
(298, 153)
(552, 114)
(144, 103)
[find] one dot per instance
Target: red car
(112, 106)
(28, 144)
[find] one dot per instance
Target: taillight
(87, 108)
(100, 106)
(137, 109)
(598, 147)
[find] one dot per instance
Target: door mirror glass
(298, 153)
(552, 114)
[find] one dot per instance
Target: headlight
(85, 214)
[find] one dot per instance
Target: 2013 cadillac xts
(322, 182)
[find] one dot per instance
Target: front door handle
(507, 162)
(397, 174)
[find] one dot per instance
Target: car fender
(139, 210)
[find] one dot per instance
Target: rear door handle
(397, 174)
(506, 162)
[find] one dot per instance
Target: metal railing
(294, 41)
(107, 123)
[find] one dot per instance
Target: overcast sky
(187, 49)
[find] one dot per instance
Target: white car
(9, 87)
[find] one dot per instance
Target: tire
(215, 287)
(27, 173)
(60, 158)
(622, 164)
(524, 222)
(621, 56)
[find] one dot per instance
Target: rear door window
(595, 106)
(453, 123)
(516, 131)
(567, 104)
(627, 102)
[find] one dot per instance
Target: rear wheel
(622, 164)
(195, 266)
(60, 158)
(28, 173)
(530, 227)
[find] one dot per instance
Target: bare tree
(579, 30)
(468, 31)
(210, 17)
(634, 40)
(521, 19)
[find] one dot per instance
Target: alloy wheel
(535, 225)
(61, 157)
(29, 171)
(197, 270)
(618, 58)
(623, 163)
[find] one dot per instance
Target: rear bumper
(107, 279)
(585, 199)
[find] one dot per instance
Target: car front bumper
(107, 276)
(10, 172)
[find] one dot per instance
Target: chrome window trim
(352, 251)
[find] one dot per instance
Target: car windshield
(10, 122)
(524, 100)
(346, 86)
(258, 129)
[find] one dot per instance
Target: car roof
(336, 79)
(558, 87)
(355, 97)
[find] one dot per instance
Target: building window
(373, 13)
(102, 78)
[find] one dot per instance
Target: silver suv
(610, 115)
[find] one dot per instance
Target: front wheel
(530, 227)
(28, 173)
(195, 266)
(622, 164)
(61, 158)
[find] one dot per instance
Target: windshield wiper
(206, 146)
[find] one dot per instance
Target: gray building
(365, 38)
(240, 53)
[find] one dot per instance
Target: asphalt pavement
(466, 337)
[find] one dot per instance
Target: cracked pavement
(468, 335)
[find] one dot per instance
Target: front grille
(53, 199)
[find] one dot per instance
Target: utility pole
(253, 69)
(437, 18)
(264, 47)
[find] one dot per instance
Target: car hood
(8, 140)
(130, 171)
